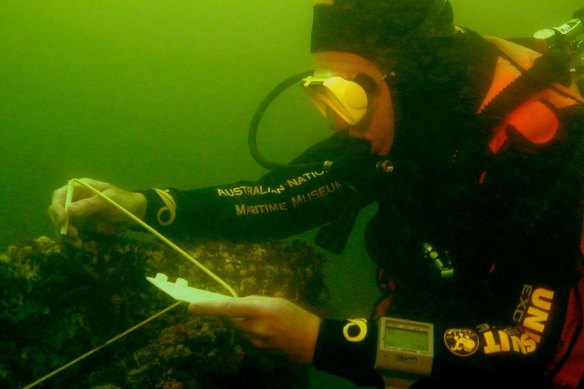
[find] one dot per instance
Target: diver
(472, 148)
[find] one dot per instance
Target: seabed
(57, 303)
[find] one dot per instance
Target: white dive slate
(180, 290)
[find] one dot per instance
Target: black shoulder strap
(552, 67)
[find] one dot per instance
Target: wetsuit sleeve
(502, 328)
(273, 207)
(510, 326)
(347, 348)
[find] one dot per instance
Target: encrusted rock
(57, 303)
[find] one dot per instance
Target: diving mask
(344, 97)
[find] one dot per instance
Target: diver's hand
(89, 212)
(270, 323)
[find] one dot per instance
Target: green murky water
(159, 93)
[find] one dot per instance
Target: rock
(57, 303)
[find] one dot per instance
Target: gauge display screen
(405, 339)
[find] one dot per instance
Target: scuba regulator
(356, 163)
(570, 38)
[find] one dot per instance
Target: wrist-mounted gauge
(405, 350)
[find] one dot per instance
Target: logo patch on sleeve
(461, 342)
(355, 330)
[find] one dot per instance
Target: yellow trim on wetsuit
(170, 207)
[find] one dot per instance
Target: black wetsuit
(510, 223)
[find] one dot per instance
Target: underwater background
(160, 93)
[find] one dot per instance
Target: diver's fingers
(87, 207)
(241, 307)
(72, 238)
(57, 207)
(57, 215)
(253, 327)
(106, 228)
(73, 233)
(81, 191)
(57, 210)
(247, 313)
(99, 185)
(258, 342)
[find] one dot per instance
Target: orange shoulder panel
(536, 119)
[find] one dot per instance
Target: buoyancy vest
(536, 120)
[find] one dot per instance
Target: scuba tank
(570, 38)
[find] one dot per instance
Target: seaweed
(57, 303)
